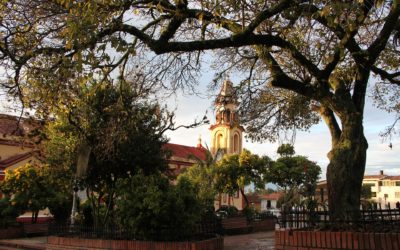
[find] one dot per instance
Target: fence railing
(368, 220)
(203, 230)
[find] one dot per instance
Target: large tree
(234, 172)
(296, 175)
(304, 60)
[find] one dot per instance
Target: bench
(235, 225)
(36, 229)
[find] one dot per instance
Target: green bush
(249, 213)
(231, 211)
(8, 213)
(151, 208)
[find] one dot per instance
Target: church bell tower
(226, 133)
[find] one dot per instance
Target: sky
(315, 144)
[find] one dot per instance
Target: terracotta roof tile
(16, 143)
(374, 176)
(14, 159)
(253, 198)
(271, 196)
(393, 178)
(185, 152)
(9, 125)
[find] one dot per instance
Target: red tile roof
(253, 198)
(8, 126)
(271, 196)
(14, 159)
(393, 178)
(16, 143)
(185, 152)
(14, 125)
(374, 176)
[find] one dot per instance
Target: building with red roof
(16, 148)
(183, 156)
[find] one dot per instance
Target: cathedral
(226, 138)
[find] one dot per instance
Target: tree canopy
(36, 187)
(303, 61)
(234, 172)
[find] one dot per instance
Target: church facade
(227, 137)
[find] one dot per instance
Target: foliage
(201, 175)
(112, 120)
(35, 187)
(153, 209)
(366, 195)
(297, 176)
(303, 61)
(231, 211)
(262, 191)
(286, 150)
(8, 213)
(249, 212)
(366, 192)
(296, 171)
(234, 172)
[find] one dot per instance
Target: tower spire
(226, 132)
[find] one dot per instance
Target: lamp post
(74, 202)
(82, 163)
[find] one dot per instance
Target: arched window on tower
(236, 143)
(219, 142)
(228, 116)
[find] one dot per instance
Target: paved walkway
(253, 241)
(33, 243)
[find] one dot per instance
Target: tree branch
(379, 44)
(330, 120)
(386, 75)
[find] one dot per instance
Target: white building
(385, 189)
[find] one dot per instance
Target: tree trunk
(245, 197)
(346, 170)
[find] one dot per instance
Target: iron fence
(204, 230)
(370, 220)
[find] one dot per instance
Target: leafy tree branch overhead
(303, 60)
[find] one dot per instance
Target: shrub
(231, 211)
(151, 208)
(8, 213)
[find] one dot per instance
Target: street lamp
(81, 166)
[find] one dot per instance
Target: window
(228, 116)
(373, 194)
(236, 143)
(219, 141)
(386, 196)
(398, 183)
(379, 183)
(321, 192)
(369, 184)
(388, 183)
(268, 204)
(397, 195)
